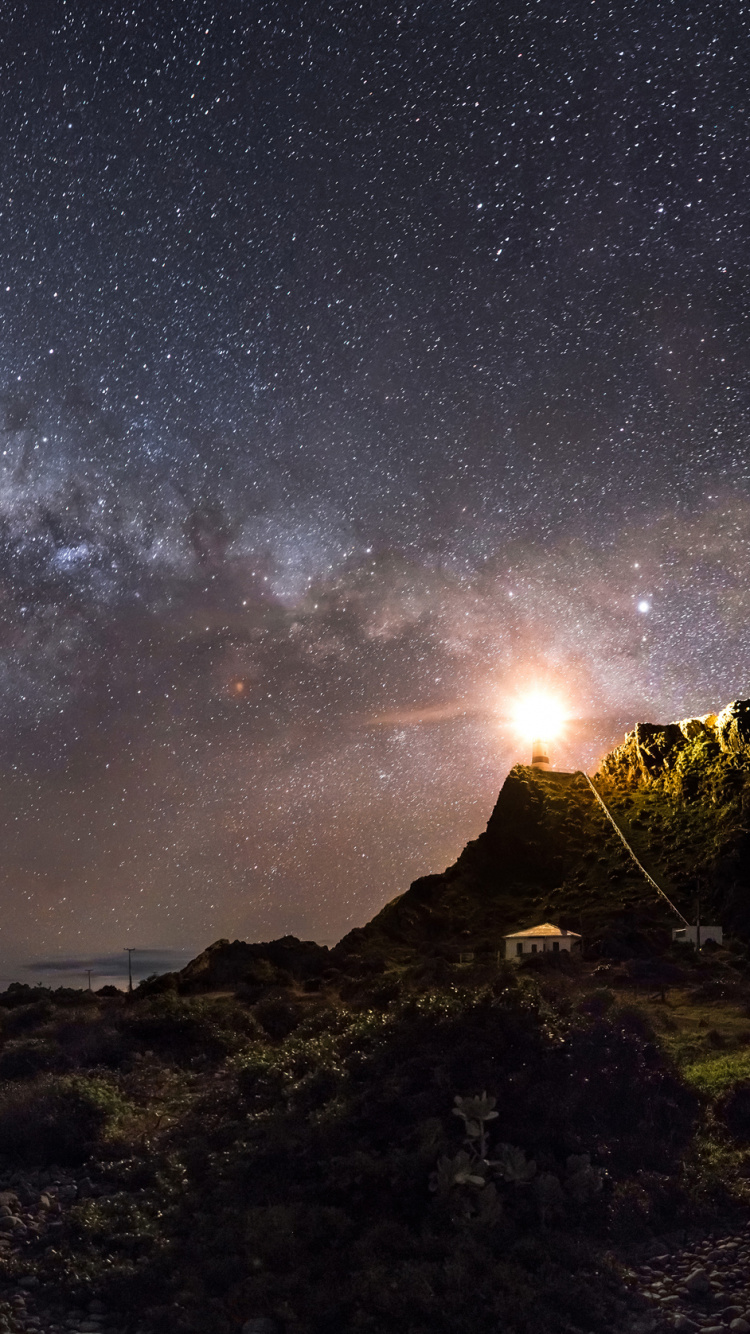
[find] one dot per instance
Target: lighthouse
(539, 754)
(539, 718)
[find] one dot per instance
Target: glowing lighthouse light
(539, 719)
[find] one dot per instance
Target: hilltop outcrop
(655, 751)
(228, 963)
(684, 792)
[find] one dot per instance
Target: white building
(690, 933)
(544, 939)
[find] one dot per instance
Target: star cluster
(359, 363)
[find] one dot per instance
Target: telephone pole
(88, 974)
(129, 952)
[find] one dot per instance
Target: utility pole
(698, 921)
(88, 974)
(129, 952)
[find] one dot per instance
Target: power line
(639, 864)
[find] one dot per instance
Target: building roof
(546, 929)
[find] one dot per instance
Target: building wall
(689, 933)
(537, 945)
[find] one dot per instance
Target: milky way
(360, 364)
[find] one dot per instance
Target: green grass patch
(714, 1074)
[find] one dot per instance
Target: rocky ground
(32, 1214)
(699, 1287)
(702, 1287)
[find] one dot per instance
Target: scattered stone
(739, 1326)
(698, 1282)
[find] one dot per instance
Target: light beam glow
(539, 715)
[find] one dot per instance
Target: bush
(597, 1003)
(278, 1018)
(733, 1108)
(20, 993)
(57, 1119)
(85, 1042)
(326, 1189)
(158, 984)
(183, 1029)
(25, 1018)
(26, 1060)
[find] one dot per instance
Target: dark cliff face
(548, 853)
(680, 792)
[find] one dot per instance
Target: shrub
(20, 993)
(733, 1108)
(278, 1018)
(26, 1060)
(58, 1119)
(597, 1003)
(25, 1018)
(629, 1212)
(84, 1042)
(158, 984)
(183, 1029)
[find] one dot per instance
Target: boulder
(733, 726)
(692, 728)
(698, 1283)
(658, 745)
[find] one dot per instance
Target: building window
(533, 949)
(555, 947)
(519, 947)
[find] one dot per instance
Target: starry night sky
(361, 364)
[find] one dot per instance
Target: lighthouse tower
(539, 755)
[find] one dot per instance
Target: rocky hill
(681, 794)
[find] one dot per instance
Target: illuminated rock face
(733, 726)
(693, 728)
(652, 751)
(658, 745)
(685, 790)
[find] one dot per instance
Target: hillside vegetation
(379, 1139)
